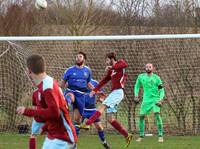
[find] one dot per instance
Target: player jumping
(116, 73)
(77, 79)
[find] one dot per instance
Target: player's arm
(89, 85)
(44, 129)
(65, 79)
(51, 112)
(137, 88)
(120, 65)
(63, 84)
(161, 89)
(103, 82)
(161, 92)
(101, 96)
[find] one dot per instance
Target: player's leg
(96, 115)
(159, 123)
(32, 142)
(101, 133)
(116, 124)
(78, 108)
(35, 129)
(86, 114)
(119, 127)
(99, 128)
(145, 109)
(111, 100)
(69, 98)
(77, 120)
(57, 144)
(141, 128)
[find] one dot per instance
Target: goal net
(175, 57)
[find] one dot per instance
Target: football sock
(32, 143)
(119, 128)
(159, 124)
(95, 116)
(142, 126)
(101, 135)
(77, 128)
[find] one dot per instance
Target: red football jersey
(116, 74)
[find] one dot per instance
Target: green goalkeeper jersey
(152, 87)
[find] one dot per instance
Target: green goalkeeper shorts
(147, 107)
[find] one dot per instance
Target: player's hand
(20, 110)
(101, 97)
(92, 93)
(108, 68)
(159, 103)
(136, 99)
(42, 132)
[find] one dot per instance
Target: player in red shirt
(54, 112)
(116, 73)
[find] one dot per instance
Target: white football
(41, 4)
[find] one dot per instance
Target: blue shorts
(57, 144)
(79, 102)
(35, 128)
(113, 99)
(88, 113)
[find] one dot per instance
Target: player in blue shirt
(90, 109)
(77, 79)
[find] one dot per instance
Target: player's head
(80, 58)
(36, 64)
(149, 68)
(111, 58)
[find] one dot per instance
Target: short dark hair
(111, 55)
(36, 63)
(84, 55)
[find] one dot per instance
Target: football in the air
(41, 4)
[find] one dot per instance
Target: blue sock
(101, 136)
(76, 128)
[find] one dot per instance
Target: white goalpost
(175, 56)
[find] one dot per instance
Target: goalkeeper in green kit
(153, 94)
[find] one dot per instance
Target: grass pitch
(17, 141)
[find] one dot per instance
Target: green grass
(16, 141)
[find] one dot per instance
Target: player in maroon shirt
(54, 112)
(116, 73)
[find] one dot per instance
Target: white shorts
(113, 100)
(35, 128)
(57, 144)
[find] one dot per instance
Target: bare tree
(132, 12)
(84, 16)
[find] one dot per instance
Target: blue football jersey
(78, 78)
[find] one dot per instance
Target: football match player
(76, 80)
(53, 112)
(153, 95)
(116, 72)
